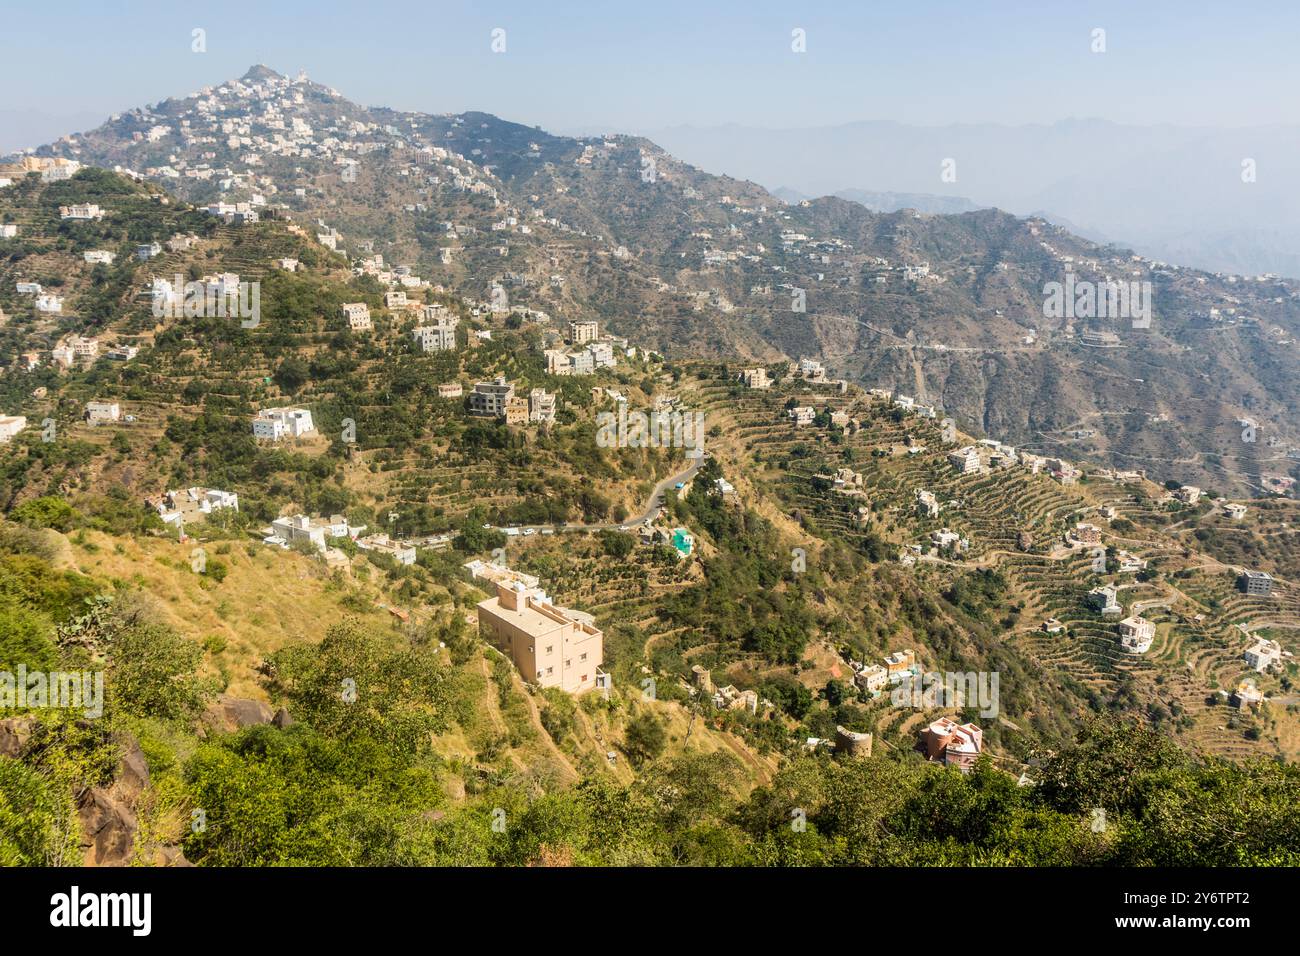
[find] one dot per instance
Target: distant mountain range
(946, 307)
(1173, 193)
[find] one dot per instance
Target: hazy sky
(623, 65)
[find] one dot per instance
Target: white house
(1136, 634)
(103, 256)
(301, 528)
(1264, 655)
(81, 211)
(8, 231)
(103, 412)
(277, 423)
(802, 415)
(11, 425)
(49, 302)
(358, 316)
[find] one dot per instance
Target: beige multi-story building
(358, 316)
(551, 646)
(580, 333)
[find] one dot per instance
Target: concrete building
(872, 678)
(102, 412)
(301, 528)
(1259, 583)
(802, 415)
(965, 460)
(1105, 600)
(541, 406)
(926, 504)
(580, 333)
(277, 423)
(952, 744)
(551, 646)
(11, 425)
(439, 337)
(382, 544)
(754, 377)
(491, 398)
(1264, 655)
(1136, 634)
(358, 316)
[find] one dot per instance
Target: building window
(550, 671)
(550, 648)
(582, 657)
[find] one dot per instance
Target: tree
(644, 738)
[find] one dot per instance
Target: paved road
(652, 507)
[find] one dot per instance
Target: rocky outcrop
(14, 734)
(228, 714)
(108, 814)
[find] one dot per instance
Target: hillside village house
(49, 302)
(11, 425)
(1264, 655)
(517, 411)
(28, 288)
(802, 415)
(147, 251)
(965, 460)
(81, 211)
(1136, 634)
(1188, 494)
(277, 423)
(872, 678)
(358, 316)
(381, 544)
(8, 231)
(926, 504)
(541, 406)
(1086, 533)
(99, 257)
(1235, 511)
(451, 390)
(102, 412)
(952, 744)
(63, 356)
(1258, 583)
(899, 664)
(551, 646)
(1246, 695)
(491, 398)
(1105, 600)
(439, 337)
(286, 531)
(580, 333)
(394, 300)
(84, 347)
(193, 504)
(754, 377)
(31, 361)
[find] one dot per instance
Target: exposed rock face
(108, 814)
(14, 734)
(282, 719)
(228, 714)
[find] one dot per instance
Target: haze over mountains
(949, 308)
(1173, 193)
